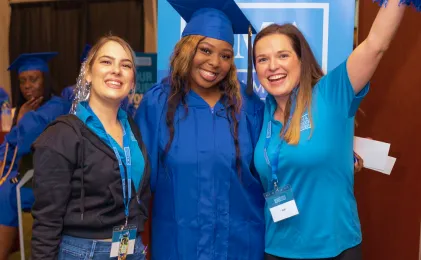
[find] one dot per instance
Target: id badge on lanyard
(124, 236)
(280, 201)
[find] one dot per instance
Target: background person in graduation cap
(36, 107)
(91, 176)
(305, 148)
(33, 76)
(200, 128)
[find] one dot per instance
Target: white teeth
(276, 77)
(114, 83)
(209, 73)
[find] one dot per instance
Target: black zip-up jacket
(78, 188)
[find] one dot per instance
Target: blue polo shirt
(85, 113)
(320, 171)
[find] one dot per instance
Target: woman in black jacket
(91, 174)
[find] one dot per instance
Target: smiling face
(112, 73)
(211, 63)
(277, 64)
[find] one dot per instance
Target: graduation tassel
(415, 3)
(4, 160)
(249, 89)
(2, 180)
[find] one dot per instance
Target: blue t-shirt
(320, 170)
(85, 113)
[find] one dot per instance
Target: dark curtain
(66, 26)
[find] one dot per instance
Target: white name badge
(123, 241)
(281, 203)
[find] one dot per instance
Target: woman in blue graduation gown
(35, 109)
(200, 128)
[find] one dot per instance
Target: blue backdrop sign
(146, 71)
(327, 25)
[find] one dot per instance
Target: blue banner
(328, 26)
(146, 70)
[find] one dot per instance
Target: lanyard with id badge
(280, 201)
(124, 236)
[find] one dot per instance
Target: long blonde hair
(311, 73)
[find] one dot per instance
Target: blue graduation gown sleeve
(128, 106)
(148, 117)
(253, 107)
(31, 125)
(67, 93)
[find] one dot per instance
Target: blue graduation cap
(85, 52)
(32, 61)
(218, 19)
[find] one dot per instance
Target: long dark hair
(311, 73)
(48, 92)
(180, 66)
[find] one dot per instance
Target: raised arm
(364, 60)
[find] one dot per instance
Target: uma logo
(305, 123)
(279, 199)
(311, 18)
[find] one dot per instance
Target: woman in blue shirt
(91, 177)
(304, 154)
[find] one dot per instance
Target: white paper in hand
(374, 153)
(389, 166)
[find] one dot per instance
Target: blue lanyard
(128, 170)
(274, 165)
(275, 159)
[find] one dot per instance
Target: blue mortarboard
(85, 52)
(218, 19)
(32, 61)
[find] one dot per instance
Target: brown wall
(390, 206)
(4, 45)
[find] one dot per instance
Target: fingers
(38, 101)
(29, 102)
(356, 168)
(359, 162)
(34, 103)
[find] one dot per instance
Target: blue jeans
(73, 248)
